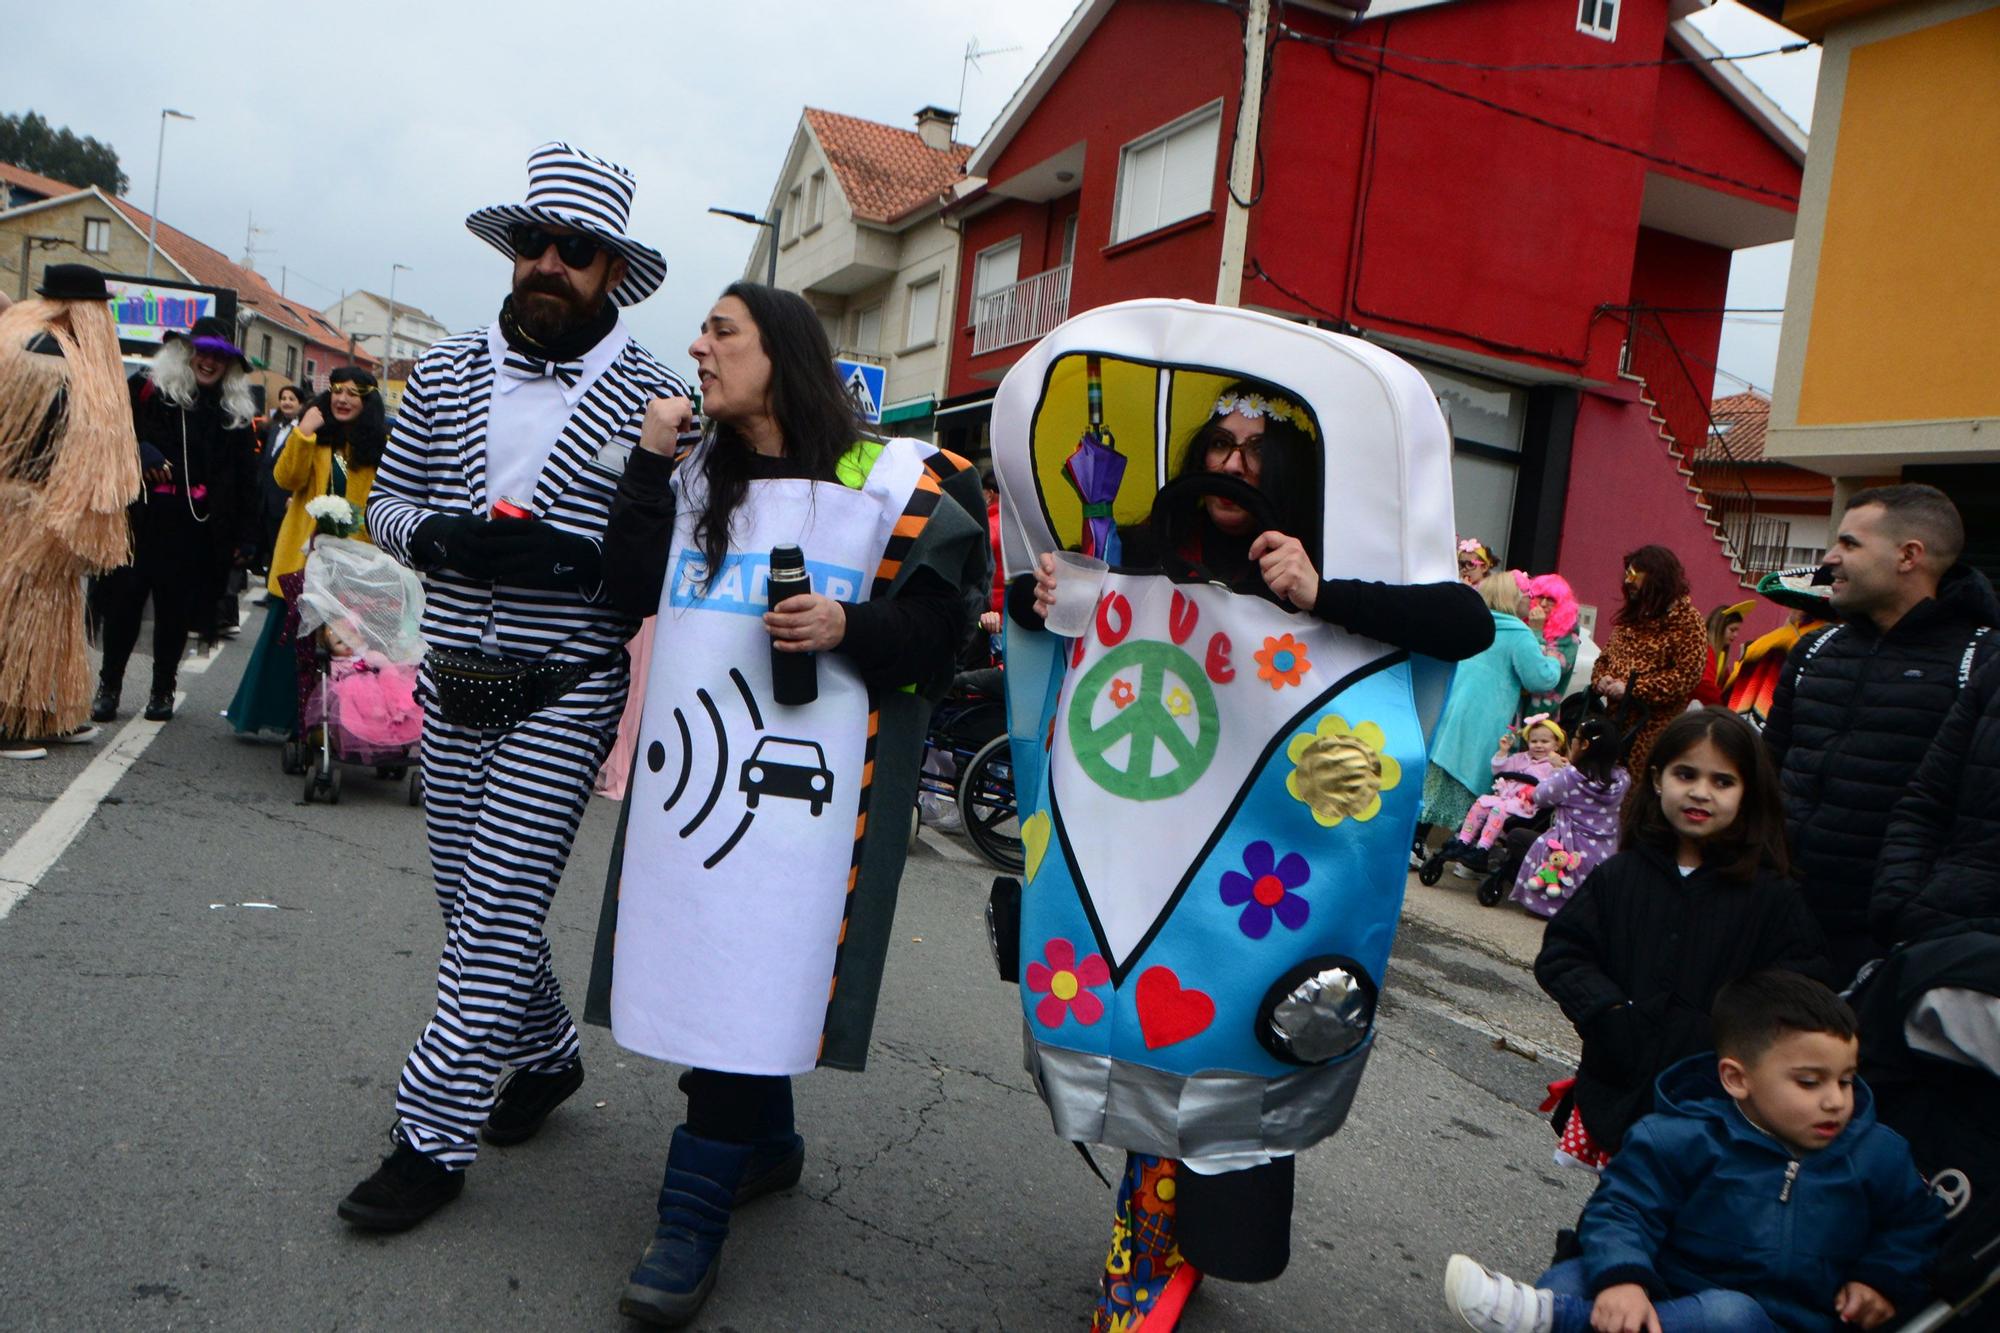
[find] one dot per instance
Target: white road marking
(22, 868)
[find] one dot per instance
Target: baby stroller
(1930, 1052)
(359, 651)
(1497, 865)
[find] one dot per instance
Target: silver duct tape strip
(1096, 1099)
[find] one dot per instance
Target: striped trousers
(501, 809)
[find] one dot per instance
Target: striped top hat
(569, 188)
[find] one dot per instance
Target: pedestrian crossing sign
(864, 384)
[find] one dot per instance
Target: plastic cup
(1078, 577)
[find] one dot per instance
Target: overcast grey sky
(361, 134)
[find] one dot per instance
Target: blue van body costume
(1217, 793)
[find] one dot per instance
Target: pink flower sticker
(1063, 984)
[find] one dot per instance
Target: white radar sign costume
(745, 816)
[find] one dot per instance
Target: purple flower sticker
(1264, 890)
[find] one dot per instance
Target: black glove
(450, 540)
(528, 553)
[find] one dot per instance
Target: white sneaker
(1494, 1302)
(22, 750)
(82, 735)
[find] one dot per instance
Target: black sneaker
(525, 1102)
(160, 706)
(407, 1188)
(104, 707)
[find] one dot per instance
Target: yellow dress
(306, 470)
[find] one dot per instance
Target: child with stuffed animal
(1515, 777)
(1585, 795)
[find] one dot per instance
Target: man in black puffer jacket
(1860, 702)
(1940, 867)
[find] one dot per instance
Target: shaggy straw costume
(68, 468)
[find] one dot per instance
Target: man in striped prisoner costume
(536, 413)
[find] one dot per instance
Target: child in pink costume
(1510, 798)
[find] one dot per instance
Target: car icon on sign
(789, 768)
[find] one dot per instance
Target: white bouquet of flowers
(333, 515)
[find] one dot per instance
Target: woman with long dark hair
(776, 722)
(332, 450)
(1257, 435)
(1657, 651)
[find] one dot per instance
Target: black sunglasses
(573, 248)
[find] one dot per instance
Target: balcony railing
(1021, 311)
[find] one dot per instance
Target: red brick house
(1535, 202)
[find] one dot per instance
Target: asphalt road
(191, 1083)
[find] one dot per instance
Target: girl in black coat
(1697, 898)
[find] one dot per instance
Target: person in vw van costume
(1223, 1213)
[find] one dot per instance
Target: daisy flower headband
(1256, 406)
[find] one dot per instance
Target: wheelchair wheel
(1492, 889)
(986, 803)
(1431, 871)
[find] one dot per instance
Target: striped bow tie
(524, 367)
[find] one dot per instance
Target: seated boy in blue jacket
(1761, 1194)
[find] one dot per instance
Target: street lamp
(389, 334)
(153, 233)
(771, 255)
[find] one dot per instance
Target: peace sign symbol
(1146, 721)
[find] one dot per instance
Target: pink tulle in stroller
(358, 654)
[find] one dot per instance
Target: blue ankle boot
(678, 1270)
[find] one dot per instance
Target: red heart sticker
(1168, 1012)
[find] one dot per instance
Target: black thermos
(794, 676)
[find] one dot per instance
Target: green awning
(910, 411)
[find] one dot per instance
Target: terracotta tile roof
(1743, 418)
(885, 172)
(22, 178)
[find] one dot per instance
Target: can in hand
(507, 507)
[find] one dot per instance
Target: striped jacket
(436, 463)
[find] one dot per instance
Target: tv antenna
(973, 54)
(251, 232)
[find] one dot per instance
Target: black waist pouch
(486, 690)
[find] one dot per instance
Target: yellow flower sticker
(1340, 771)
(1179, 704)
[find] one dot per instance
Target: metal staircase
(1680, 412)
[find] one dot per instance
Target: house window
(1069, 239)
(1599, 18)
(868, 329)
(794, 213)
(96, 236)
(923, 320)
(266, 351)
(995, 267)
(1168, 175)
(291, 363)
(816, 200)
(1488, 425)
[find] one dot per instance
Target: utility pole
(1243, 161)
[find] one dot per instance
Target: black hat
(73, 282)
(213, 334)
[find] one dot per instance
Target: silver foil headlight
(1319, 1011)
